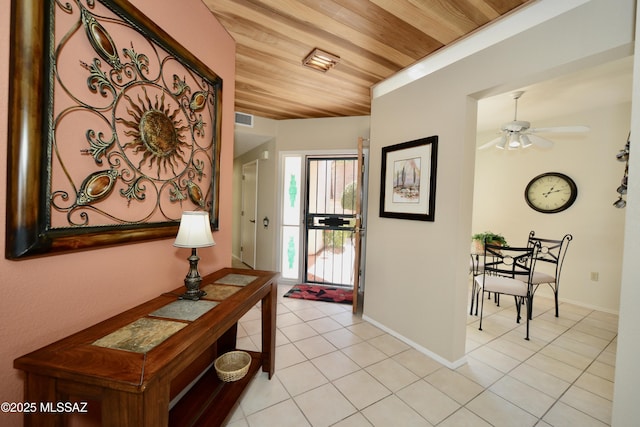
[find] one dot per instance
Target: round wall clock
(551, 192)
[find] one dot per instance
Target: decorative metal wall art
(623, 156)
(114, 128)
(408, 182)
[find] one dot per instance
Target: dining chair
(475, 268)
(551, 253)
(508, 270)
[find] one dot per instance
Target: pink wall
(42, 300)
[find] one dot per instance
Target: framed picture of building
(408, 180)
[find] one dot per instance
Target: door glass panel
(291, 224)
(292, 190)
(290, 252)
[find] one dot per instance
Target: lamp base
(192, 295)
(193, 280)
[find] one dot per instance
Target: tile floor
(334, 369)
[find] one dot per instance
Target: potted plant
(494, 239)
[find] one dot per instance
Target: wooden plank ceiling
(373, 38)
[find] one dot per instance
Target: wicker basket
(233, 365)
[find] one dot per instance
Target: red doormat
(321, 293)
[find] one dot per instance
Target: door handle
(333, 222)
(253, 221)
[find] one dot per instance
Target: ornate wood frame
(185, 181)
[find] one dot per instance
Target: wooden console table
(151, 365)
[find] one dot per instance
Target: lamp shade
(194, 231)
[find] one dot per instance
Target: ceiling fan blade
(491, 143)
(541, 142)
(561, 129)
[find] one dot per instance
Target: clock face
(551, 192)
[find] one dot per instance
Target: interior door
(248, 213)
(330, 220)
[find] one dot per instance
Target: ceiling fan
(519, 134)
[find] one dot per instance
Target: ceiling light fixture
(320, 60)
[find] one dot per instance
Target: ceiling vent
(243, 119)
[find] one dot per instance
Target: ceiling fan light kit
(526, 142)
(519, 134)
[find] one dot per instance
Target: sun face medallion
(157, 133)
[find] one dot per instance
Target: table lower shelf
(210, 400)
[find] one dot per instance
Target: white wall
(337, 133)
(626, 410)
(597, 227)
(422, 298)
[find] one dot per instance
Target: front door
(330, 220)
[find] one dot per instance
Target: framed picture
(408, 181)
(114, 128)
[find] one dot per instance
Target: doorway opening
(321, 231)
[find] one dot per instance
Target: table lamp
(194, 232)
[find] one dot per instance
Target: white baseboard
(582, 304)
(451, 365)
